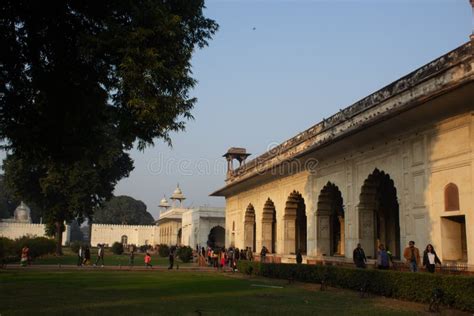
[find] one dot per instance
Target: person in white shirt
(430, 258)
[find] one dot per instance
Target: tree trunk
(90, 232)
(59, 239)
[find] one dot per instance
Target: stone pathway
(108, 268)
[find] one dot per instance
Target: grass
(70, 258)
(30, 292)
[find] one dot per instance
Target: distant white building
(137, 235)
(176, 225)
(20, 225)
(203, 224)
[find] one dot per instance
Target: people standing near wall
(236, 254)
(383, 259)
(100, 255)
(263, 254)
(412, 256)
(249, 254)
(223, 259)
(299, 257)
(202, 257)
(209, 256)
(360, 260)
(243, 255)
(430, 259)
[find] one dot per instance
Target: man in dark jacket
(359, 257)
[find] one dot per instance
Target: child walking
(148, 261)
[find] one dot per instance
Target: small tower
(177, 196)
(239, 154)
(164, 205)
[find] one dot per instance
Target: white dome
(164, 203)
(178, 194)
(22, 213)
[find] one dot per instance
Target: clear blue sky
(304, 61)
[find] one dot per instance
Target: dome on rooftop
(178, 194)
(22, 213)
(164, 203)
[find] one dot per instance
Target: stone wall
(17, 230)
(136, 234)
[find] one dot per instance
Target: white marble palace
(176, 225)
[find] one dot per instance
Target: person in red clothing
(148, 260)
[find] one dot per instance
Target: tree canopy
(82, 82)
(123, 210)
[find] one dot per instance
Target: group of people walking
(84, 255)
(411, 255)
(221, 258)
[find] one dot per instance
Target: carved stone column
(367, 230)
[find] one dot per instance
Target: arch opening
(250, 228)
(216, 237)
(379, 216)
(330, 221)
(295, 224)
(269, 226)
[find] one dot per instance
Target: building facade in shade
(396, 166)
(176, 225)
(21, 225)
(203, 225)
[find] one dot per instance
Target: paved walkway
(111, 268)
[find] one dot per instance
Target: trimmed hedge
(458, 289)
(185, 253)
(10, 250)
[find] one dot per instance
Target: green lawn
(110, 259)
(92, 292)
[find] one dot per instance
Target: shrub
(185, 253)
(10, 250)
(117, 248)
(39, 246)
(6, 251)
(163, 250)
(402, 285)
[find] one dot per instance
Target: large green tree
(123, 210)
(84, 81)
